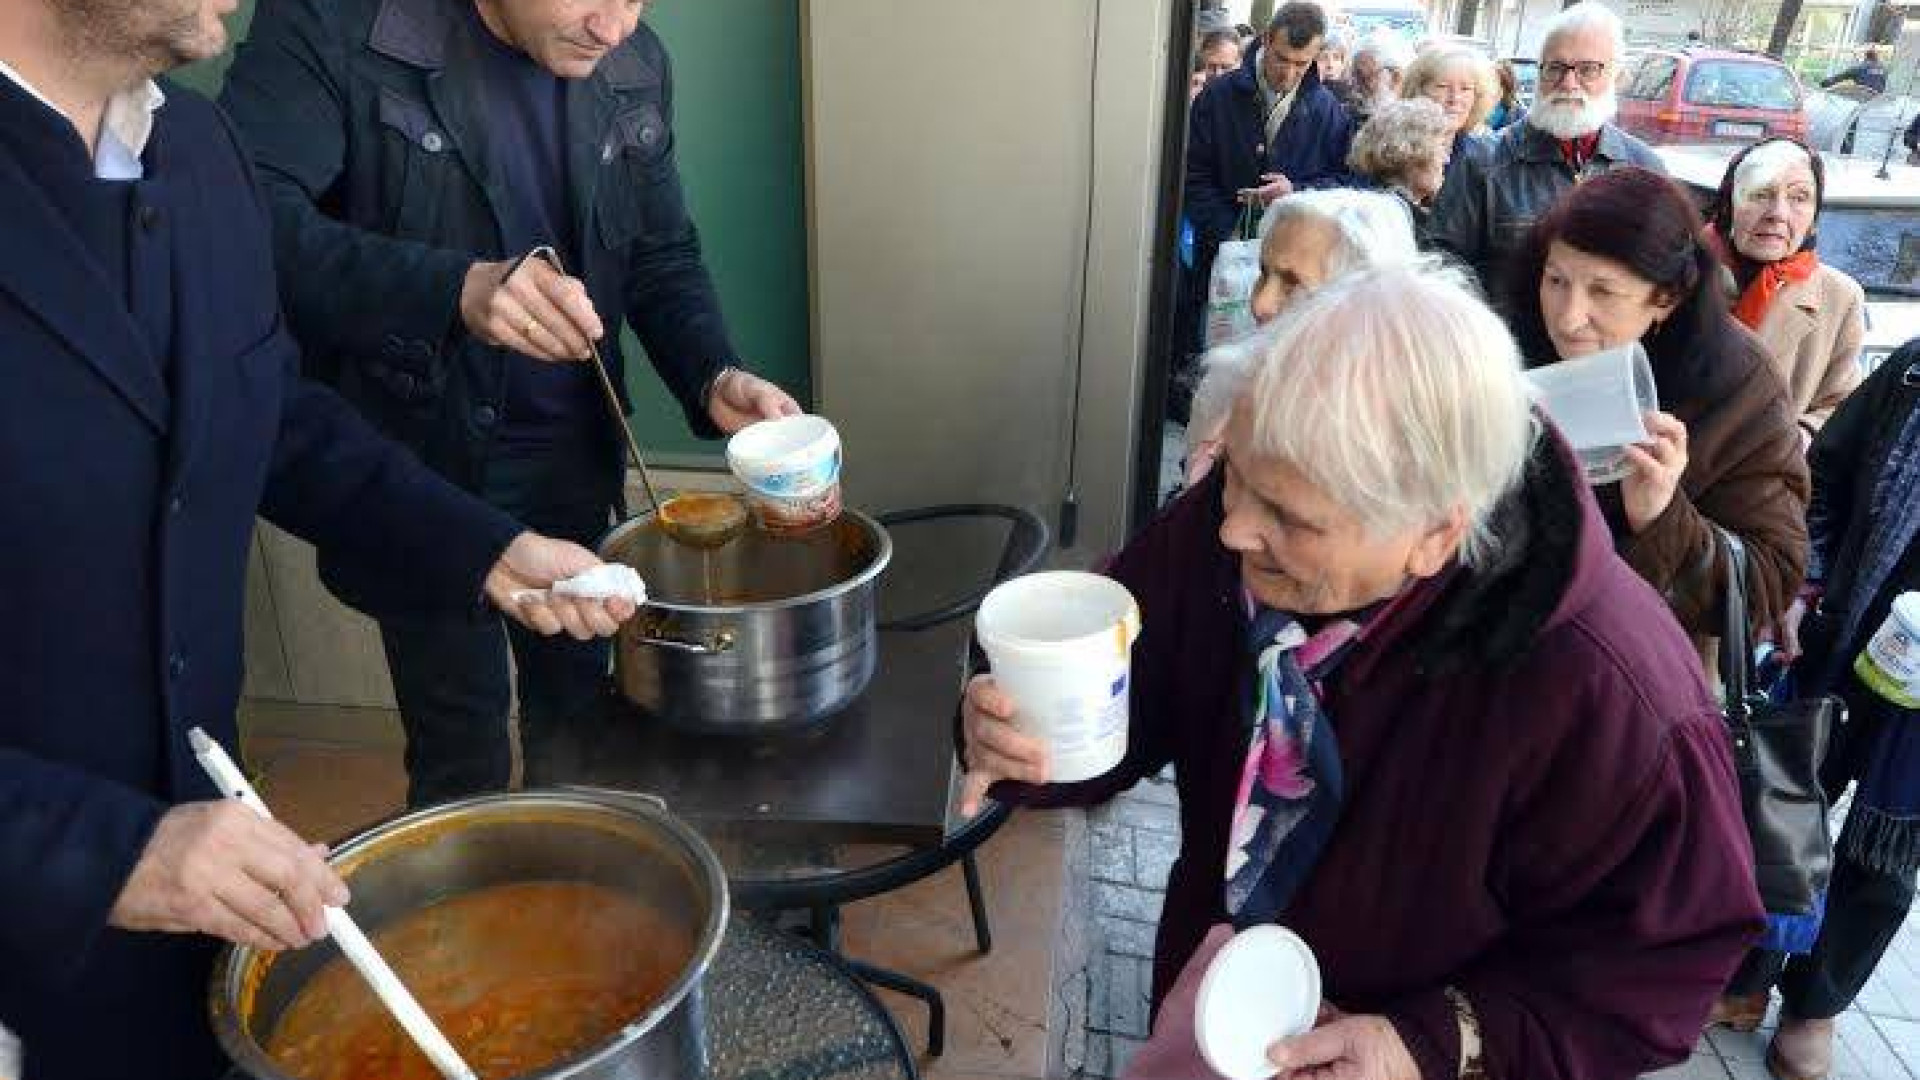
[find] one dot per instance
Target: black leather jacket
(1483, 213)
(362, 120)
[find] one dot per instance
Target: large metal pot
(624, 842)
(768, 632)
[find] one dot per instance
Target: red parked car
(1709, 95)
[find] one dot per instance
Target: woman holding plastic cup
(1419, 715)
(1861, 640)
(1619, 260)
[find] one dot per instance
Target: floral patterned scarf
(1291, 785)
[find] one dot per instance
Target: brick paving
(1131, 843)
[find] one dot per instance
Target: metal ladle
(699, 520)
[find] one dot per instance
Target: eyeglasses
(1553, 71)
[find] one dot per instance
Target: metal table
(864, 803)
(781, 1009)
(878, 772)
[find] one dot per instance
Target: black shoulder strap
(1736, 647)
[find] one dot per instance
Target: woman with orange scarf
(1809, 316)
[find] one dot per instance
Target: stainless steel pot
(623, 842)
(768, 632)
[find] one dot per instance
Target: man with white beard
(1483, 214)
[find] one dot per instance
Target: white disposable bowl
(1262, 986)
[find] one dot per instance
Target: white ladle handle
(346, 934)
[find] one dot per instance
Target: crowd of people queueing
(1434, 698)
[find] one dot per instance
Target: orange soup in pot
(519, 977)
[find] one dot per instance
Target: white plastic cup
(791, 470)
(1599, 403)
(1890, 664)
(1061, 645)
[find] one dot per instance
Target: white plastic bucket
(791, 469)
(1061, 645)
(1890, 664)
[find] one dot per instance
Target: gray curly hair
(1399, 138)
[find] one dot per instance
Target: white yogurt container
(791, 469)
(1890, 664)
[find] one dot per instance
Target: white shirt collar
(125, 127)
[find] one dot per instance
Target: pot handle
(1028, 541)
(712, 644)
(613, 794)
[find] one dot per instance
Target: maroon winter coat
(1541, 810)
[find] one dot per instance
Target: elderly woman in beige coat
(1809, 315)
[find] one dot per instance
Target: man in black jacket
(411, 151)
(150, 408)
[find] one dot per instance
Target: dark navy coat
(132, 483)
(1227, 147)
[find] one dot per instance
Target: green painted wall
(736, 67)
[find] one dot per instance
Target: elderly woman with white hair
(1374, 70)
(1405, 148)
(1809, 316)
(1421, 714)
(1307, 239)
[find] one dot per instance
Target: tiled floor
(330, 772)
(1132, 843)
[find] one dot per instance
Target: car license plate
(1731, 130)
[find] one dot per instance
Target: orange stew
(518, 976)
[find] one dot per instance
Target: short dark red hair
(1646, 223)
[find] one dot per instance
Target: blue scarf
(1883, 828)
(1291, 785)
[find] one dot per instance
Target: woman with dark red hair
(1620, 259)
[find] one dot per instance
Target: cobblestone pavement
(1131, 845)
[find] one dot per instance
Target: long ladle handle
(552, 258)
(353, 944)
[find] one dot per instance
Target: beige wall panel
(333, 652)
(267, 674)
(948, 183)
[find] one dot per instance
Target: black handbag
(1777, 750)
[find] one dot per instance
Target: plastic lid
(1263, 986)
